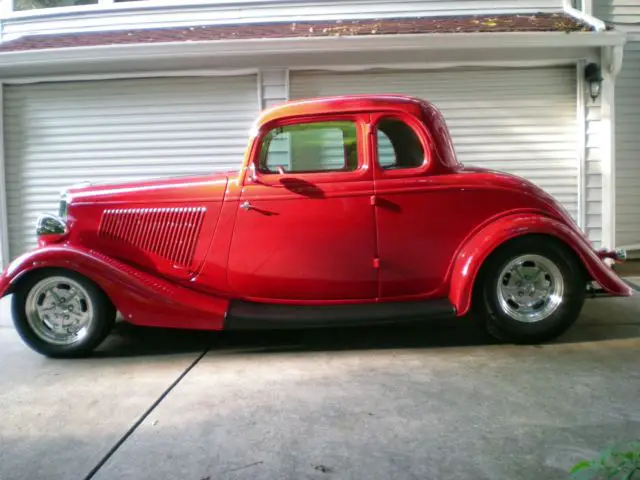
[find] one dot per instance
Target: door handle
(245, 205)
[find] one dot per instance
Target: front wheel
(531, 290)
(60, 313)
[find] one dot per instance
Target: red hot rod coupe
(346, 210)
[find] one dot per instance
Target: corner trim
(581, 114)
(4, 212)
(611, 59)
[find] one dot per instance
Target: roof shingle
(541, 22)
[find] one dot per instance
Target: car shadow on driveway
(131, 341)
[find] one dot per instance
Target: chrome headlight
(50, 225)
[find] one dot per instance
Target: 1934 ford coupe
(346, 210)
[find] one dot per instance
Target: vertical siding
(621, 12)
(627, 117)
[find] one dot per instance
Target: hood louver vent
(170, 233)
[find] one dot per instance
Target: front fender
(477, 248)
(141, 298)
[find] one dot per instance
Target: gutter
(310, 45)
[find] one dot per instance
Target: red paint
(478, 247)
(174, 252)
(142, 298)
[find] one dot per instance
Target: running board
(251, 316)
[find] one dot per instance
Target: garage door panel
(120, 129)
(92, 114)
(57, 134)
(518, 120)
(134, 117)
(552, 140)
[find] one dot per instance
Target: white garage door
(628, 149)
(521, 121)
(59, 134)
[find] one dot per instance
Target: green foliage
(618, 462)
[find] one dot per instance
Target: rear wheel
(60, 313)
(530, 290)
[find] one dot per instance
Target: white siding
(57, 134)
(621, 12)
(139, 14)
(625, 15)
(518, 120)
(627, 115)
(274, 86)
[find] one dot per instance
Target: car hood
(144, 190)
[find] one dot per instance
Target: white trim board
(608, 159)
(581, 144)
(584, 16)
(4, 227)
(284, 46)
(450, 65)
(586, 56)
(125, 75)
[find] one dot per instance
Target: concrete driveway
(429, 402)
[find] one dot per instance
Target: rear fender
(477, 248)
(142, 298)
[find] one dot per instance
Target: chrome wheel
(59, 310)
(530, 288)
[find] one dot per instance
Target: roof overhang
(245, 51)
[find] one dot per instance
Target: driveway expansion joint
(144, 416)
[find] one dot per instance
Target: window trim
(421, 132)
(362, 172)
(9, 10)
(322, 125)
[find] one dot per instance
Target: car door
(413, 243)
(305, 225)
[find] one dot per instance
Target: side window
(398, 145)
(310, 147)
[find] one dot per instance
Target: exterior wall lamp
(593, 75)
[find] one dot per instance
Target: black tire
(504, 326)
(99, 327)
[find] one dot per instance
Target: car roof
(343, 104)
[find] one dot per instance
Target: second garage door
(521, 121)
(57, 134)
